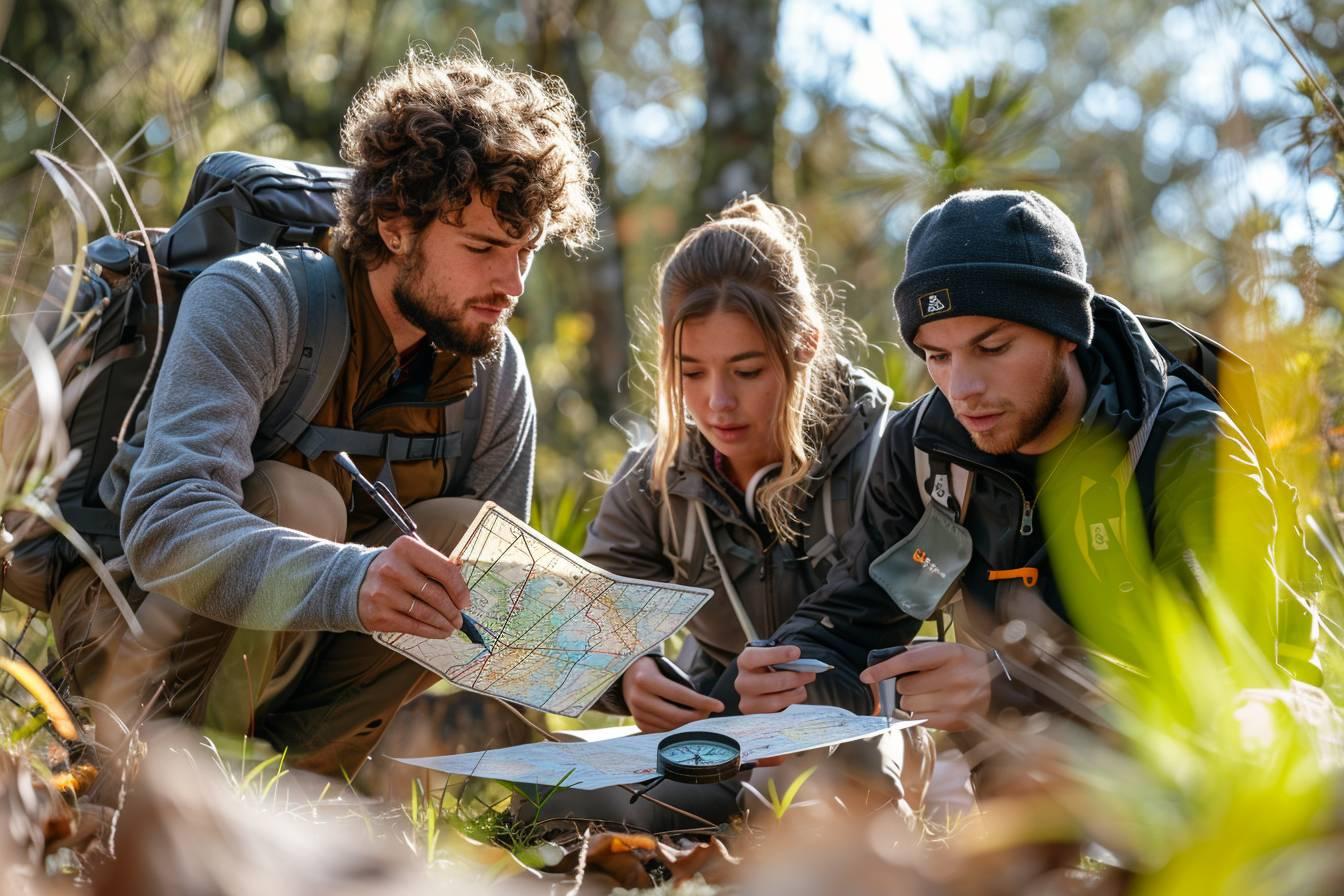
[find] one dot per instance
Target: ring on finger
(411, 606)
(421, 592)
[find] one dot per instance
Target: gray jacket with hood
(631, 536)
(177, 483)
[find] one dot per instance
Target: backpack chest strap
(394, 448)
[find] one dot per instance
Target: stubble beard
(1036, 418)
(443, 322)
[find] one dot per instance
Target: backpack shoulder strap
(944, 485)
(729, 589)
(1138, 442)
(465, 417)
(874, 445)
(851, 493)
(319, 353)
(940, 482)
(679, 537)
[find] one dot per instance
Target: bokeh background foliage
(1188, 145)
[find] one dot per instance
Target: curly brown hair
(424, 136)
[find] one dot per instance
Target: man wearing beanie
(1062, 464)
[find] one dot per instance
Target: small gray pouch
(923, 569)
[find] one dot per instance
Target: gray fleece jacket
(177, 483)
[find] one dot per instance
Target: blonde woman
(764, 438)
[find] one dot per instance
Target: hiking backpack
(236, 202)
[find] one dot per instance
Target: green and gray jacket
(632, 536)
(1199, 507)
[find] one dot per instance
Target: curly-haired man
(277, 572)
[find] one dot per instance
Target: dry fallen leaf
(711, 861)
(622, 857)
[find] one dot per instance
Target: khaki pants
(325, 697)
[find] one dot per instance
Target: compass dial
(700, 753)
(699, 757)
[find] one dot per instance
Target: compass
(699, 757)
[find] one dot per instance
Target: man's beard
(1035, 419)
(445, 326)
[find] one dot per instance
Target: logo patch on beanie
(935, 302)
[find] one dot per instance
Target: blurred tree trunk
(737, 150)
(272, 57)
(267, 50)
(599, 281)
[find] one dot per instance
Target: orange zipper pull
(1027, 574)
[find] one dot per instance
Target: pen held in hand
(803, 664)
(806, 664)
(387, 502)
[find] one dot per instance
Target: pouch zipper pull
(1028, 518)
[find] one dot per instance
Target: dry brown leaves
(639, 861)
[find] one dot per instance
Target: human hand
(945, 684)
(412, 588)
(761, 688)
(660, 704)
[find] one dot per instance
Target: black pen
(388, 504)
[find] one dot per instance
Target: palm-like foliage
(989, 133)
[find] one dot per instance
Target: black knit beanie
(996, 253)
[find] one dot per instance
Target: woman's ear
(807, 347)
